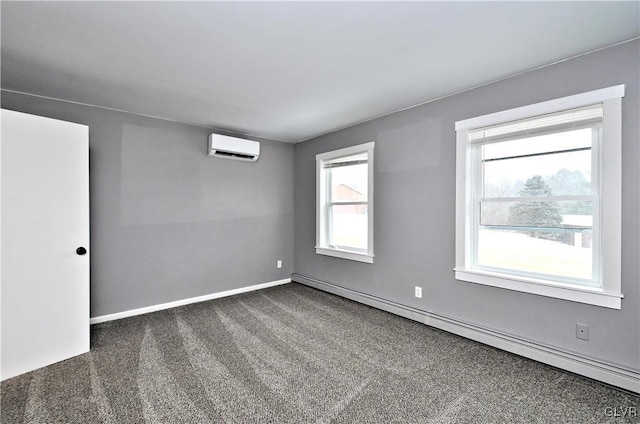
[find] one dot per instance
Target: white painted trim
(607, 154)
(542, 108)
(345, 254)
(608, 373)
(347, 151)
(463, 200)
(322, 217)
(370, 198)
(176, 303)
(611, 196)
(321, 211)
(542, 288)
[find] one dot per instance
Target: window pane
(510, 171)
(567, 214)
(349, 226)
(566, 140)
(349, 183)
(521, 251)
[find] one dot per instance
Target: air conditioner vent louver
(234, 155)
(233, 148)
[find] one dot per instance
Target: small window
(539, 195)
(344, 216)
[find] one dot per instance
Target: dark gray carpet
(291, 354)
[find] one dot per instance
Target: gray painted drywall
(167, 221)
(415, 213)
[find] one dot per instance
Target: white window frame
(322, 217)
(609, 167)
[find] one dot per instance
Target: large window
(538, 198)
(344, 216)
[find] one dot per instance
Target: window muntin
(543, 155)
(344, 220)
(539, 198)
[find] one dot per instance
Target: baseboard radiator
(569, 361)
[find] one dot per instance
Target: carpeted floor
(292, 354)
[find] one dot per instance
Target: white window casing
(360, 154)
(606, 175)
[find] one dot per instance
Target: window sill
(591, 296)
(345, 254)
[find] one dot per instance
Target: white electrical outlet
(279, 264)
(418, 292)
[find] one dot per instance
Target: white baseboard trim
(569, 361)
(168, 305)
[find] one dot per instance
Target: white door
(45, 218)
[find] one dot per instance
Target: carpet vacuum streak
(292, 354)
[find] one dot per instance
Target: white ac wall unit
(224, 146)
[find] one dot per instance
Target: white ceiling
(289, 71)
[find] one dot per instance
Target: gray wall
(167, 221)
(415, 213)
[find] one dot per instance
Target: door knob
(81, 250)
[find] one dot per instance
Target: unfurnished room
(320, 212)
